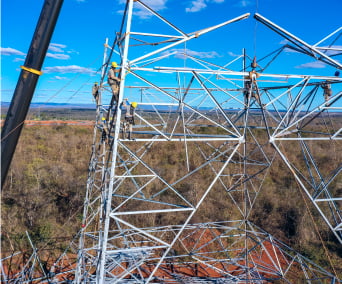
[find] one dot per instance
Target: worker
(95, 92)
(327, 92)
(105, 130)
(52, 271)
(114, 81)
(129, 117)
(52, 274)
(247, 89)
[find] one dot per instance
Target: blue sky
(76, 49)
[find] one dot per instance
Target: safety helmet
(103, 118)
(114, 64)
(95, 83)
(134, 104)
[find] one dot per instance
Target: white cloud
(331, 50)
(203, 54)
(244, 3)
(60, 78)
(72, 51)
(68, 69)
(10, 51)
(156, 4)
(327, 50)
(196, 6)
(198, 54)
(290, 50)
(58, 56)
(141, 12)
(58, 51)
(230, 53)
(56, 47)
(312, 65)
(19, 60)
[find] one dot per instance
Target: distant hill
(147, 108)
(54, 105)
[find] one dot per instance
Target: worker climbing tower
(174, 203)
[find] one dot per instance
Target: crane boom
(27, 83)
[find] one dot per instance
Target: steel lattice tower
(145, 214)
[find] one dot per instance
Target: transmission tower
(205, 136)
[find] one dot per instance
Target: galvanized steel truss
(228, 125)
(145, 217)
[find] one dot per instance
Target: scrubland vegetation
(46, 184)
